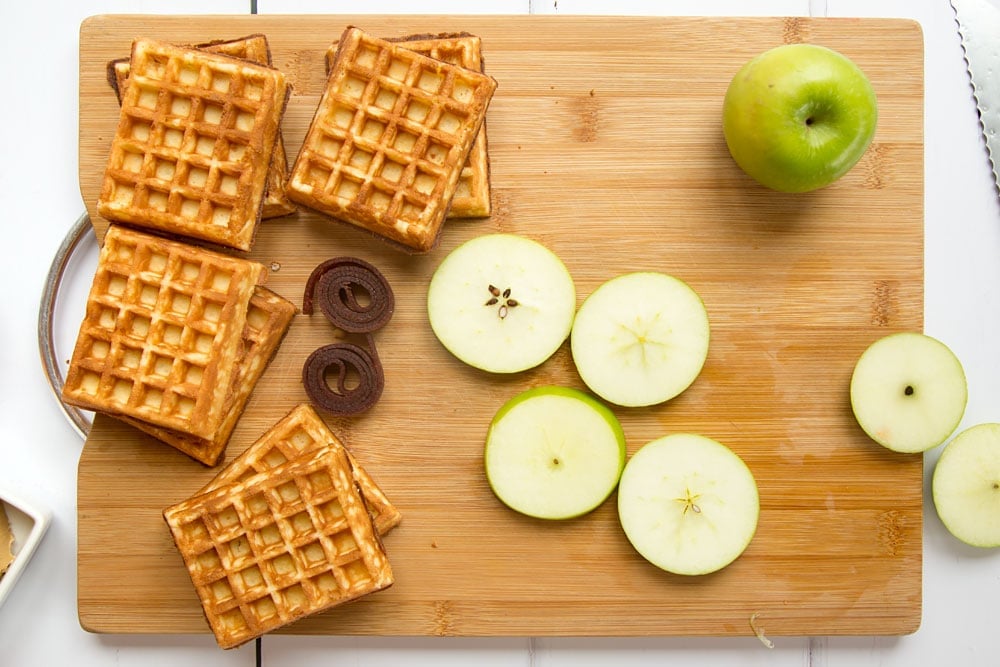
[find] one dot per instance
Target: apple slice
(501, 302)
(640, 338)
(966, 486)
(908, 392)
(688, 504)
(554, 453)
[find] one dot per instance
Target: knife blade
(979, 28)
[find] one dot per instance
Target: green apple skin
(554, 453)
(966, 486)
(798, 117)
(908, 392)
(688, 504)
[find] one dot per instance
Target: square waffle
(299, 433)
(387, 143)
(193, 145)
(279, 545)
(161, 333)
(255, 49)
(472, 196)
(268, 319)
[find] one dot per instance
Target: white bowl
(28, 524)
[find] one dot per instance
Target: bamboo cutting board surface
(605, 144)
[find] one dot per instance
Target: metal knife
(979, 28)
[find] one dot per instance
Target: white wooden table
(39, 449)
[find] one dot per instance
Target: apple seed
(689, 502)
(495, 296)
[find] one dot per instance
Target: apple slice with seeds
(640, 338)
(966, 486)
(688, 504)
(501, 302)
(554, 453)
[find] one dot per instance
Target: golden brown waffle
(162, 332)
(279, 545)
(194, 141)
(255, 49)
(386, 146)
(299, 433)
(472, 196)
(268, 319)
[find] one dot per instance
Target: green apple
(501, 302)
(908, 392)
(798, 117)
(640, 338)
(966, 486)
(554, 453)
(688, 504)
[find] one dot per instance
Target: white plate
(28, 524)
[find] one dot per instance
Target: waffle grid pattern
(388, 141)
(472, 194)
(193, 144)
(161, 332)
(299, 433)
(268, 318)
(279, 545)
(255, 49)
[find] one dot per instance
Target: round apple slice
(554, 453)
(640, 339)
(908, 392)
(966, 486)
(688, 504)
(501, 302)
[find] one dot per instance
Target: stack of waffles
(174, 339)
(472, 196)
(194, 143)
(255, 49)
(392, 134)
(291, 527)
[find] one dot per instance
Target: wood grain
(605, 145)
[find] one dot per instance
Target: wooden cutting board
(605, 145)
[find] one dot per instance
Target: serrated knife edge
(979, 28)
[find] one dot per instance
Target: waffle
(279, 545)
(300, 432)
(255, 49)
(268, 319)
(472, 196)
(386, 145)
(195, 138)
(161, 333)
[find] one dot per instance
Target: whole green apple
(798, 117)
